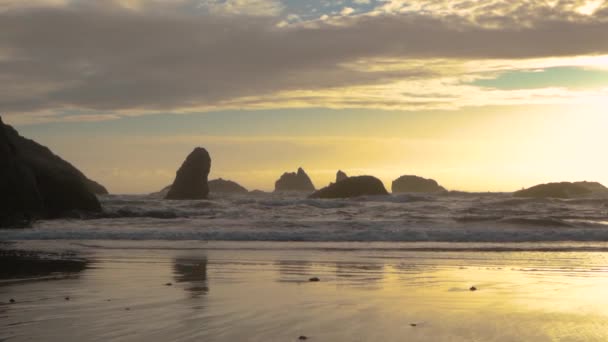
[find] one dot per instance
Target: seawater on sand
(260, 291)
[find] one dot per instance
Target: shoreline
(231, 293)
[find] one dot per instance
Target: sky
(479, 95)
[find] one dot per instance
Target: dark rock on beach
(353, 187)
(226, 186)
(35, 183)
(27, 264)
(563, 190)
(416, 184)
(294, 181)
(19, 194)
(191, 178)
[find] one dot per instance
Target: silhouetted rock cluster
(415, 184)
(340, 176)
(35, 183)
(352, 187)
(226, 186)
(191, 178)
(563, 190)
(294, 181)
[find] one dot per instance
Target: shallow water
(259, 291)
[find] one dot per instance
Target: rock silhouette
(95, 187)
(161, 193)
(34, 182)
(191, 178)
(340, 176)
(226, 186)
(563, 190)
(415, 184)
(294, 181)
(353, 187)
(19, 195)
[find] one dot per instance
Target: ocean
(454, 217)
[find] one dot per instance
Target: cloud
(347, 11)
(141, 56)
(244, 7)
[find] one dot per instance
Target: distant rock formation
(563, 190)
(34, 182)
(416, 184)
(161, 193)
(340, 176)
(215, 186)
(352, 187)
(191, 178)
(226, 186)
(292, 181)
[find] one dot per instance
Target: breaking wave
(272, 217)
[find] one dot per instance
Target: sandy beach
(260, 291)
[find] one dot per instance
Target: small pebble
(128, 309)
(302, 338)
(67, 298)
(413, 324)
(473, 288)
(168, 284)
(314, 279)
(12, 301)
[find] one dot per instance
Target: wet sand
(194, 291)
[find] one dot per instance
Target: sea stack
(340, 176)
(226, 186)
(563, 190)
(416, 184)
(35, 183)
(294, 181)
(19, 195)
(95, 187)
(352, 187)
(191, 179)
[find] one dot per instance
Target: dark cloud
(106, 57)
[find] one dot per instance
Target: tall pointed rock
(191, 178)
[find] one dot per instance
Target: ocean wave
(275, 217)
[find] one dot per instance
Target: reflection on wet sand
(368, 275)
(265, 295)
(294, 270)
(192, 271)
(26, 264)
